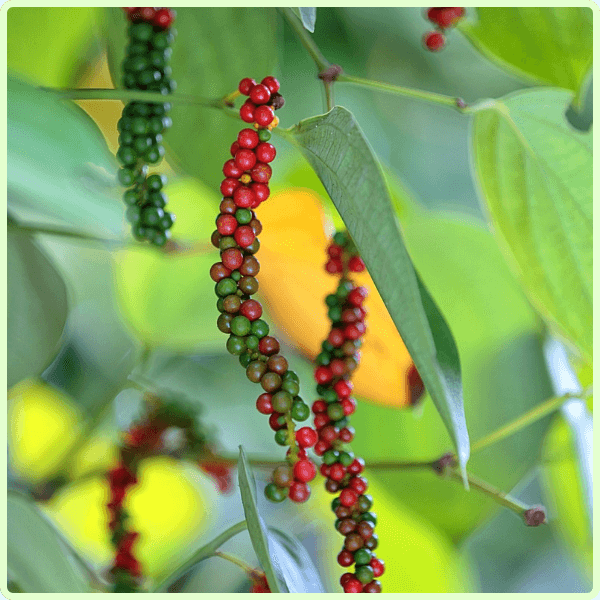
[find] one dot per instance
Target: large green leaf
(257, 528)
(215, 48)
(549, 45)
(339, 153)
(37, 308)
(59, 168)
(36, 560)
(535, 174)
(66, 42)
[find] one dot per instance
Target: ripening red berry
(329, 433)
(324, 469)
(321, 447)
(299, 492)
(343, 388)
(321, 420)
(244, 235)
(232, 258)
(245, 159)
(357, 296)
(304, 471)
(228, 186)
(226, 224)
(356, 264)
(261, 173)
(263, 404)
(337, 472)
(359, 484)
(230, 169)
(378, 567)
(252, 310)
(323, 375)
(348, 497)
(319, 406)
(246, 85)
(244, 197)
(445, 17)
(334, 251)
(357, 466)
(264, 115)
(260, 94)
(267, 345)
(273, 421)
(338, 367)
(219, 271)
(346, 434)
(345, 559)
(271, 83)
(353, 586)
(265, 152)
(352, 331)
(434, 41)
(147, 13)
(234, 148)
(336, 337)
(248, 138)
(334, 266)
(345, 578)
(306, 437)
(164, 18)
(247, 111)
(261, 191)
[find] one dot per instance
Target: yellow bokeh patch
(43, 424)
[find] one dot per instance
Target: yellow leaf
(294, 282)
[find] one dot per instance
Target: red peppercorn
(337, 472)
(261, 191)
(319, 406)
(356, 466)
(359, 484)
(245, 159)
(275, 426)
(378, 567)
(348, 497)
(345, 578)
(445, 17)
(252, 310)
(356, 264)
(346, 435)
(306, 437)
(334, 266)
(373, 588)
(230, 169)
(304, 471)
(353, 586)
(271, 83)
(229, 185)
(247, 112)
(321, 447)
(338, 367)
(263, 404)
(226, 224)
(147, 13)
(357, 296)
(329, 433)
(246, 85)
(260, 94)
(323, 375)
(261, 173)
(243, 197)
(299, 492)
(349, 406)
(267, 345)
(264, 115)
(232, 258)
(321, 420)
(219, 271)
(336, 337)
(334, 251)
(164, 18)
(244, 235)
(324, 469)
(234, 148)
(343, 388)
(345, 559)
(352, 331)
(434, 41)
(265, 152)
(248, 138)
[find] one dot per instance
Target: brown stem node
(534, 516)
(440, 465)
(330, 74)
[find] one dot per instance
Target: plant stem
(535, 414)
(329, 98)
(305, 39)
(432, 97)
(235, 560)
(205, 552)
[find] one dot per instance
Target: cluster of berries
(339, 358)
(142, 124)
(143, 439)
(264, 99)
(444, 18)
(244, 188)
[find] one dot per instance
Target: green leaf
(299, 572)
(37, 308)
(308, 16)
(535, 175)
(65, 43)
(36, 560)
(59, 168)
(551, 46)
(214, 49)
(257, 528)
(339, 153)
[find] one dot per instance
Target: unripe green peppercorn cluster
(142, 124)
(334, 366)
(244, 188)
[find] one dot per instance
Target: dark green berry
(329, 395)
(130, 197)
(332, 300)
(264, 135)
(235, 344)
(274, 493)
(346, 458)
(224, 322)
(156, 182)
(260, 328)
(291, 386)
(157, 199)
(335, 411)
(126, 138)
(300, 411)
(323, 359)
(340, 238)
(243, 216)
(282, 437)
(335, 314)
(137, 48)
(154, 154)
(281, 401)
(369, 516)
(152, 215)
(225, 287)
(141, 32)
(365, 502)
(167, 221)
(139, 126)
(364, 574)
(327, 346)
(161, 238)
(126, 176)
(330, 457)
(252, 342)
(139, 232)
(291, 376)
(133, 214)
(245, 359)
(240, 325)
(141, 143)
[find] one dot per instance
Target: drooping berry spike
(244, 188)
(334, 366)
(142, 124)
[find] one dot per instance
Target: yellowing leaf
(44, 424)
(295, 283)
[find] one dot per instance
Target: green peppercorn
(154, 154)
(372, 542)
(335, 503)
(369, 516)
(327, 346)
(332, 300)
(341, 423)
(252, 342)
(364, 574)
(157, 199)
(281, 401)
(243, 216)
(126, 138)
(291, 386)
(225, 287)
(300, 411)
(330, 457)
(346, 458)
(340, 238)
(240, 326)
(167, 221)
(236, 345)
(224, 322)
(260, 328)
(220, 305)
(282, 437)
(255, 370)
(156, 182)
(245, 359)
(344, 288)
(139, 232)
(152, 215)
(329, 395)
(161, 238)
(275, 494)
(227, 242)
(139, 126)
(141, 143)
(126, 176)
(291, 376)
(136, 48)
(335, 411)
(130, 197)
(236, 276)
(133, 214)
(248, 285)
(323, 359)
(335, 314)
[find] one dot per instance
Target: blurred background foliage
(127, 305)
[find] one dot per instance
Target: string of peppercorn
(142, 124)
(244, 188)
(443, 18)
(144, 439)
(340, 356)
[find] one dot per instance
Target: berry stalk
(244, 188)
(340, 356)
